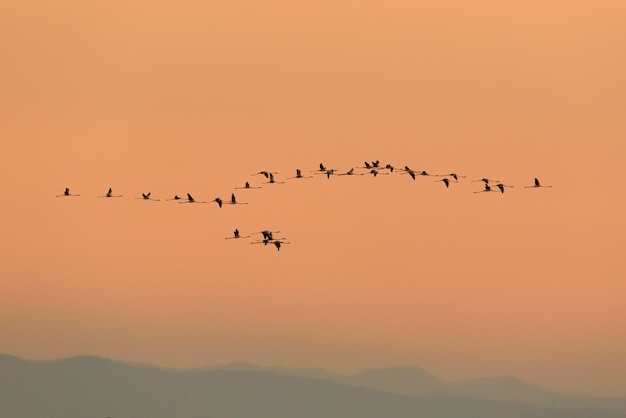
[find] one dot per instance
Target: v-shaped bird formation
(373, 169)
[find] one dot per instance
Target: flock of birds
(369, 168)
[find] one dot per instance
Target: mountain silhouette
(88, 386)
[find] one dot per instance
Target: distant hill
(83, 387)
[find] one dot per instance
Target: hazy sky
(195, 96)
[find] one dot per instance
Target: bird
(272, 180)
(375, 172)
(350, 173)
(278, 244)
(453, 175)
(265, 173)
(502, 186)
(537, 184)
(176, 197)
(190, 199)
(146, 196)
(485, 180)
(236, 235)
(299, 175)
(247, 186)
(447, 181)
(218, 201)
(486, 189)
(67, 193)
(390, 168)
(424, 173)
(110, 194)
(267, 235)
(407, 170)
(233, 200)
(322, 168)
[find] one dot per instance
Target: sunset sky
(176, 97)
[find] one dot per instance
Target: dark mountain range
(83, 387)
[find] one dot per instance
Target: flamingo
(389, 167)
(146, 196)
(299, 175)
(265, 173)
(236, 235)
(67, 193)
(407, 170)
(350, 173)
(218, 201)
(537, 184)
(278, 243)
(272, 180)
(176, 197)
(453, 175)
(247, 186)
(267, 235)
(447, 181)
(110, 194)
(190, 199)
(485, 180)
(486, 189)
(375, 172)
(502, 186)
(233, 200)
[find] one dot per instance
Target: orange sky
(194, 96)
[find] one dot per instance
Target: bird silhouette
(67, 193)
(247, 186)
(265, 173)
(501, 187)
(236, 235)
(272, 179)
(110, 194)
(485, 180)
(453, 175)
(233, 201)
(146, 196)
(190, 199)
(299, 175)
(486, 189)
(447, 181)
(537, 184)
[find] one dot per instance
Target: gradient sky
(194, 96)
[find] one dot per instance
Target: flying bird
(67, 193)
(233, 200)
(247, 186)
(501, 187)
(110, 194)
(486, 189)
(278, 244)
(176, 197)
(485, 180)
(375, 172)
(537, 184)
(350, 173)
(453, 175)
(190, 199)
(265, 173)
(299, 175)
(407, 170)
(272, 180)
(236, 235)
(447, 181)
(146, 196)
